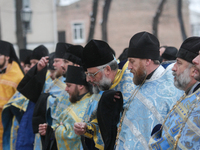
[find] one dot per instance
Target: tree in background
(19, 31)
(106, 9)
(180, 18)
(156, 17)
(93, 17)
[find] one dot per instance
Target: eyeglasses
(93, 74)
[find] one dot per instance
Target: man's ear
(80, 87)
(107, 70)
(148, 61)
(192, 71)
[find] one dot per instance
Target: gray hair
(113, 65)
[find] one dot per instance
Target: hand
(116, 97)
(80, 128)
(42, 63)
(42, 129)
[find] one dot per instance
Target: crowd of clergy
(84, 98)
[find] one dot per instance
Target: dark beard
(3, 64)
(74, 96)
(139, 76)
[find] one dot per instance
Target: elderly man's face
(98, 79)
(196, 62)
(181, 72)
(137, 68)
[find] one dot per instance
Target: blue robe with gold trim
(65, 135)
(190, 135)
(123, 82)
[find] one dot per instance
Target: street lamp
(26, 14)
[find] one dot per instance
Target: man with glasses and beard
(181, 125)
(103, 73)
(153, 95)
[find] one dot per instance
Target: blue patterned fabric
(147, 108)
(75, 112)
(190, 135)
(11, 116)
(123, 84)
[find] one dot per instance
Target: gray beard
(182, 80)
(95, 89)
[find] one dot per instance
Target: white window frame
(78, 37)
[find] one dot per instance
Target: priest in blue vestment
(181, 129)
(153, 96)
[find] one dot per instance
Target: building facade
(125, 19)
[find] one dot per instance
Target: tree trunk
(105, 19)
(156, 17)
(19, 27)
(93, 17)
(180, 18)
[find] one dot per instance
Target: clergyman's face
(99, 81)
(58, 63)
(181, 73)
(72, 90)
(137, 68)
(196, 62)
(27, 67)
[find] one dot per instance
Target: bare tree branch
(105, 19)
(93, 17)
(156, 18)
(180, 18)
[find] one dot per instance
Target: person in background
(25, 135)
(169, 56)
(23, 54)
(11, 74)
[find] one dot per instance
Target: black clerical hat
(144, 45)
(7, 49)
(39, 52)
(51, 58)
(189, 49)
(74, 54)
(61, 49)
(24, 53)
(76, 75)
(70, 52)
(170, 53)
(97, 53)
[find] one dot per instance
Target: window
(78, 33)
(196, 29)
